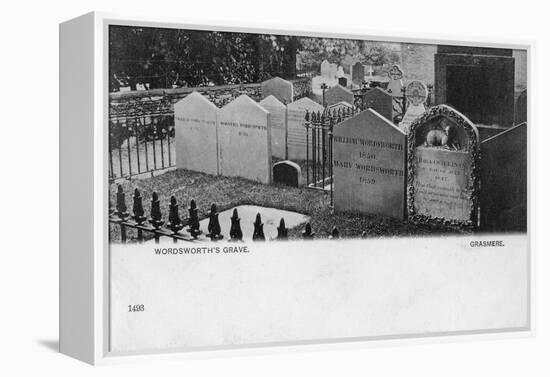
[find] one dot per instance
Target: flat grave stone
(288, 173)
(277, 111)
(247, 213)
(337, 94)
(443, 160)
(503, 194)
(281, 89)
(296, 135)
(245, 140)
(196, 126)
(369, 166)
(380, 101)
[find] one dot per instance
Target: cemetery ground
(228, 192)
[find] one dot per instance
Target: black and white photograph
(323, 188)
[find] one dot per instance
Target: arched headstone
(443, 169)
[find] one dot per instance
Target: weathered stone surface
(196, 125)
(338, 94)
(288, 173)
(296, 135)
(443, 157)
(281, 89)
(245, 140)
(503, 196)
(277, 113)
(369, 166)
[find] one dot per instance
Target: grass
(228, 192)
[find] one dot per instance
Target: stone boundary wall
(145, 102)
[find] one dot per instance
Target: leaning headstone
(296, 132)
(369, 166)
(245, 140)
(503, 193)
(380, 101)
(277, 117)
(337, 94)
(358, 73)
(396, 81)
(520, 111)
(287, 173)
(281, 89)
(196, 125)
(416, 94)
(443, 165)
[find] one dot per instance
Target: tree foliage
(175, 57)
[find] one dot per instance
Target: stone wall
(417, 62)
(136, 103)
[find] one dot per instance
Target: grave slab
(247, 213)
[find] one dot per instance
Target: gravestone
(520, 111)
(296, 132)
(343, 81)
(416, 94)
(325, 69)
(287, 173)
(443, 164)
(317, 82)
(196, 126)
(340, 72)
(477, 81)
(277, 117)
(358, 73)
(380, 101)
(245, 140)
(503, 193)
(396, 81)
(333, 69)
(338, 94)
(369, 166)
(281, 89)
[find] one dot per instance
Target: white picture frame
(84, 259)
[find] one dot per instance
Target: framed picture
(253, 190)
